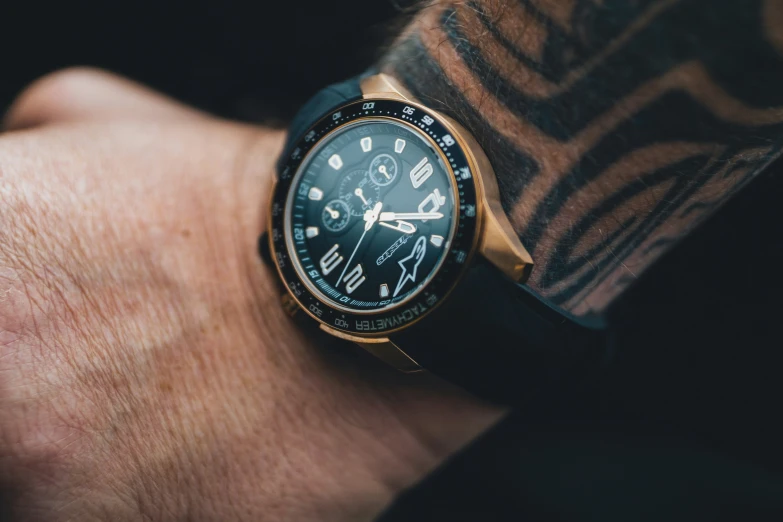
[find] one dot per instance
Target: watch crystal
(375, 216)
(384, 211)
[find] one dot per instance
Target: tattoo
(615, 126)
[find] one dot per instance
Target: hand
(335, 214)
(382, 170)
(360, 194)
(370, 217)
(147, 371)
(401, 226)
(394, 216)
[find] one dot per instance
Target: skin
(146, 369)
(615, 127)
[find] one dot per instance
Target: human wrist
(148, 368)
(609, 148)
(355, 432)
(337, 436)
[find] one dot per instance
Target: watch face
(374, 217)
(371, 215)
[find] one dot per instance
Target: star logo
(410, 264)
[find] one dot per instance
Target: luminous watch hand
(402, 226)
(370, 217)
(393, 216)
(360, 194)
(382, 170)
(335, 214)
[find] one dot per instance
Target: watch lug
(501, 246)
(382, 348)
(392, 355)
(384, 86)
(499, 243)
(290, 305)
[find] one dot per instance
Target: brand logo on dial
(391, 250)
(410, 265)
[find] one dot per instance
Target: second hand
(371, 216)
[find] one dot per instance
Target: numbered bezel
(461, 168)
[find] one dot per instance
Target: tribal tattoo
(614, 126)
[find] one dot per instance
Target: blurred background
(686, 425)
(240, 59)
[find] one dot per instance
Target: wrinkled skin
(147, 371)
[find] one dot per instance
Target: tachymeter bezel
(463, 243)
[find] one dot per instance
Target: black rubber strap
(499, 341)
(317, 107)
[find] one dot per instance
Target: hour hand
(394, 216)
(335, 214)
(401, 226)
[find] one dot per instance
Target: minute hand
(394, 216)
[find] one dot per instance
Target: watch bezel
(467, 227)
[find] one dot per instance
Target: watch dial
(370, 215)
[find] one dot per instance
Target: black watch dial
(371, 213)
(375, 216)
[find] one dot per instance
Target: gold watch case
(495, 239)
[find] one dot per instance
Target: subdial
(383, 169)
(359, 192)
(336, 215)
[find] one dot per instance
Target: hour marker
(336, 162)
(366, 144)
(354, 279)
(316, 194)
(330, 260)
(384, 292)
(435, 240)
(311, 232)
(421, 173)
(399, 146)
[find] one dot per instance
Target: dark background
(240, 59)
(686, 424)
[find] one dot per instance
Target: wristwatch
(387, 231)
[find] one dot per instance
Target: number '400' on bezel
(359, 197)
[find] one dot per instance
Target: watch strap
(502, 343)
(318, 106)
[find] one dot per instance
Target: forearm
(614, 127)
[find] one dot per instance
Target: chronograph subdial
(359, 192)
(336, 215)
(383, 170)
